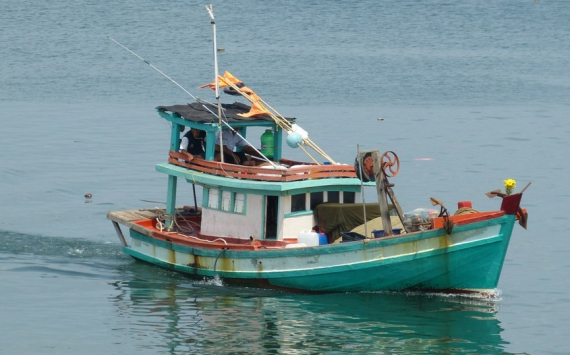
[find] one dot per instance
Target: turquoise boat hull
(468, 259)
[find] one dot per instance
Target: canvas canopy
(335, 218)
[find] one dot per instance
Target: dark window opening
(349, 197)
(316, 199)
(333, 196)
(271, 210)
(298, 203)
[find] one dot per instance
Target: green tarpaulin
(335, 218)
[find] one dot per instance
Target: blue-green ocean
(470, 92)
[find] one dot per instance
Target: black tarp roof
(198, 112)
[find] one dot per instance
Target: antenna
(213, 22)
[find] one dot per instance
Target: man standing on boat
(230, 140)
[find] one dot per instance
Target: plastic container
(267, 143)
(308, 237)
(323, 240)
(378, 233)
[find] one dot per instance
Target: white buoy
(297, 129)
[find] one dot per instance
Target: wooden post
(395, 202)
(172, 180)
(382, 196)
(211, 142)
(171, 200)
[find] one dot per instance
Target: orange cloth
(222, 81)
(257, 109)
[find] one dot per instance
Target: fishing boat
(286, 224)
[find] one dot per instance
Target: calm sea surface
(471, 92)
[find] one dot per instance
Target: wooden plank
(382, 198)
(132, 215)
(300, 167)
(303, 172)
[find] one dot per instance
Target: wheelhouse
(273, 201)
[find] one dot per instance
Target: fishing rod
(195, 98)
(153, 67)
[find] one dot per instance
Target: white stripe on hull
(295, 262)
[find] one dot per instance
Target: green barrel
(267, 144)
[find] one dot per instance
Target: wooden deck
(142, 220)
(127, 218)
(145, 222)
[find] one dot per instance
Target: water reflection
(167, 313)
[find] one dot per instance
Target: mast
(213, 22)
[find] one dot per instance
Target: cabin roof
(201, 112)
(262, 187)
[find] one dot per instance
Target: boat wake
(215, 281)
(15, 243)
(494, 295)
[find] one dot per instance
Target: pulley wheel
(390, 163)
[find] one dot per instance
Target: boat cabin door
(271, 209)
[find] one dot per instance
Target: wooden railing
(300, 171)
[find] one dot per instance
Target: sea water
(467, 94)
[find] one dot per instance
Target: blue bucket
(378, 233)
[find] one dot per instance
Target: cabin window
(298, 202)
(239, 203)
(226, 201)
(348, 197)
(316, 199)
(333, 196)
(213, 198)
